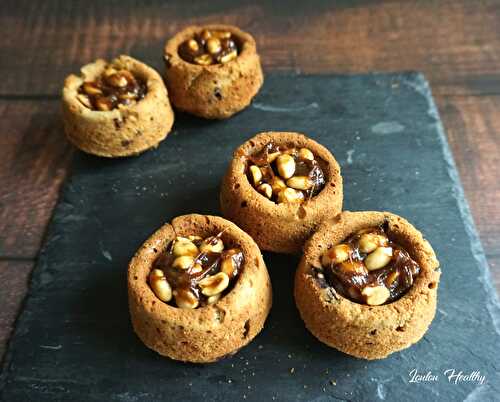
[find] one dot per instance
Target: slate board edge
(420, 84)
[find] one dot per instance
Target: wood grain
(33, 166)
(14, 279)
(473, 127)
(455, 43)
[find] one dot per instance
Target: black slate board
(74, 341)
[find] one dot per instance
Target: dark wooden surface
(456, 44)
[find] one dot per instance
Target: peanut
(156, 273)
(378, 258)
(290, 195)
(265, 189)
(368, 242)
(196, 269)
(286, 166)
(222, 34)
(109, 71)
(183, 262)
(336, 255)
(277, 185)
(299, 182)
(185, 299)
(212, 245)
(214, 299)
(161, 288)
(375, 295)
(117, 80)
(193, 45)
(214, 284)
(103, 104)
(184, 246)
(205, 34)
(203, 60)
(272, 156)
(229, 56)
(213, 45)
(91, 89)
(354, 267)
(305, 153)
(256, 174)
(84, 100)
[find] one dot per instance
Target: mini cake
(367, 284)
(279, 187)
(116, 109)
(198, 289)
(212, 71)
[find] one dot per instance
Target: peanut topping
(368, 267)
(285, 175)
(160, 287)
(210, 47)
(194, 272)
(113, 88)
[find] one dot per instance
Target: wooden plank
(14, 279)
(455, 43)
(473, 126)
(32, 167)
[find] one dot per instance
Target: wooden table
(455, 43)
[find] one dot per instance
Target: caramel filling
(368, 267)
(285, 175)
(194, 272)
(210, 47)
(114, 87)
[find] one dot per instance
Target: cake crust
(284, 227)
(208, 333)
(215, 91)
(363, 331)
(125, 130)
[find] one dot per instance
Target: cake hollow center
(194, 272)
(210, 47)
(368, 267)
(285, 174)
(114, 87)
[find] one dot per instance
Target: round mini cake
(198, 289)
(279, 187)
(367, 284)
(116, 109)
(212, 71)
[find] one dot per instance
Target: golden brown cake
(211, 316)
(212, 71)
(116, 109)
(279, 187)
(355, 302)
